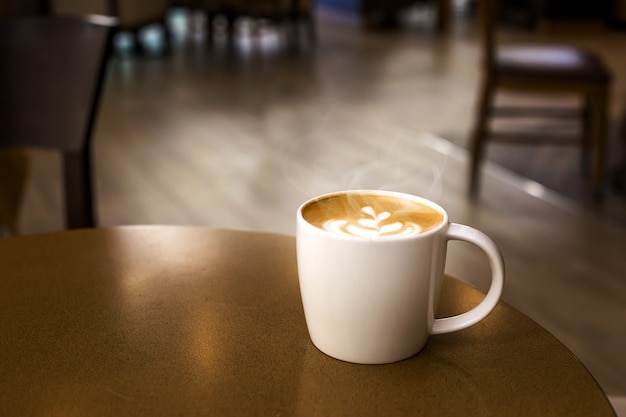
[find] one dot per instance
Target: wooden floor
(238, 137)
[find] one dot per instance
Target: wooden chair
(51, 77)
(545, 69)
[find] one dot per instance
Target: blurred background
(181, 75)
(229, 114)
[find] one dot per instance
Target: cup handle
(469, 318)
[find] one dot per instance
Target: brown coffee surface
(372, 215)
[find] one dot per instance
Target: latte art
(370, 215)
(372, 225)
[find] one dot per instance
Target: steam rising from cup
(371, 157)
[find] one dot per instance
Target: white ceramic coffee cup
(373, 300)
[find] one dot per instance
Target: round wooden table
(189, 321)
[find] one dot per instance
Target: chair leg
(618, 176)
(311, 28)
(79, 204)
(210, 28)
(599, 117)
(138, 45)
(587, 136)
(444, 15)
(168, 36)
(479, 135)
(231, 30)
(291, 29)
(14, 172)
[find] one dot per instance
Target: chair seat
(553, 63)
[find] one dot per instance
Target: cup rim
(406, 196)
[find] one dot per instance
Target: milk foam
(372, 225)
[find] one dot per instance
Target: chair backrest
(51, 76)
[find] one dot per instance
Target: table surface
(166, 321)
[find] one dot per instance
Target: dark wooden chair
(544, 69)
(51, 76)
